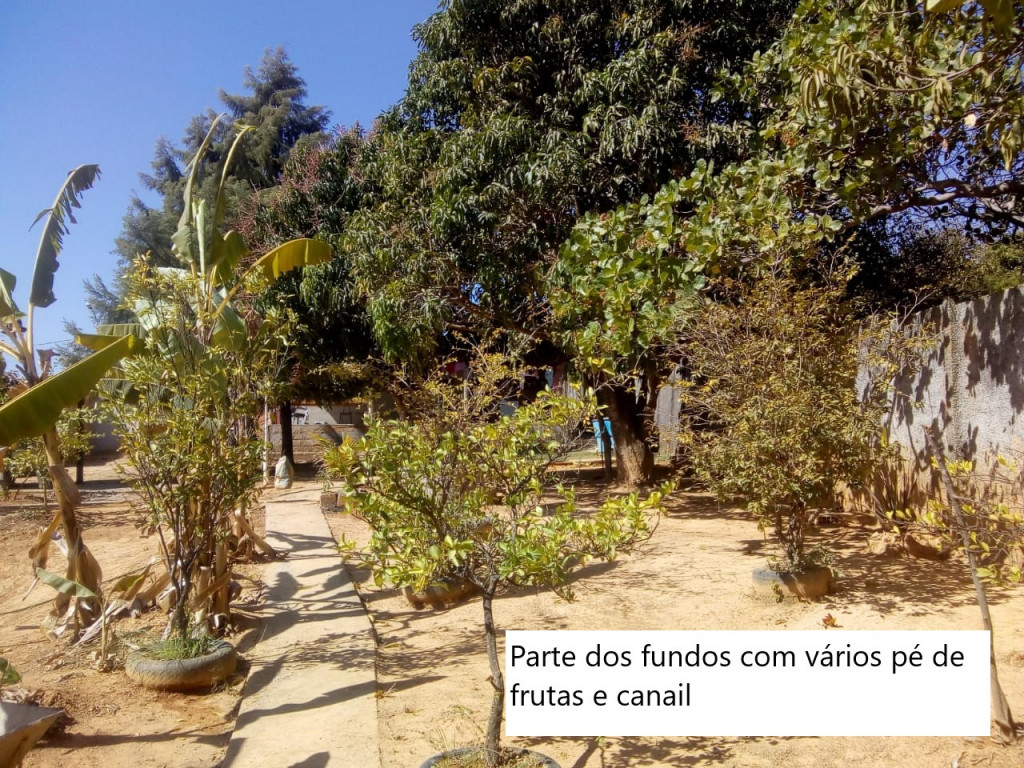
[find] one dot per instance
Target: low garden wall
(306, 439)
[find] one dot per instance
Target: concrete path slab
(310, 698)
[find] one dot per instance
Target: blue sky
(101, 81)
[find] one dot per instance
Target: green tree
(875, 108)
(187, 418)
(519, 118)
(460, 491)
(772, 410)
(334, 355)
(901, 265)
(276, 110)
(868, 110)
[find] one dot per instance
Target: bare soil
(433, 694)
(111, 721)
(695, 573)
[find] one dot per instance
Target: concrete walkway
(310, 698)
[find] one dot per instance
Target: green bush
(773, 412)
(460, 492)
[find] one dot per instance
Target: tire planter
(448, 591)
(182, 674)
(806, 585)
(543, 761)
(21, 726)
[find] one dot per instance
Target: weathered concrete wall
(970, 389)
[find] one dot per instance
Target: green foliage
(174, 648)
(992, 504)
(8, 674)
(187, 424)
(871, 109)
(28, 457)
(619, 287)
(461, 490)
(186, 410)
(35, 411)
(922, 266)
(774, 413)
(315, 198)
(519, 118)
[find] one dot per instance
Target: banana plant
(44, 395)
(214, 257)
(189, 390)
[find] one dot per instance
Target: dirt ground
(432, 670)
(693, 574)
(111, 721)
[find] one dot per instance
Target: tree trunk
(497, 680)
(1000, 706)
(287, 446)
(82, 566)
(634, 461)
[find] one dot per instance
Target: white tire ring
(182, 674)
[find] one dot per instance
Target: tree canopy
(519, 118)
(274, 108)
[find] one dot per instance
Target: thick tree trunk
(287, 446)
(634, 461)
(82, 566)
(497, 681)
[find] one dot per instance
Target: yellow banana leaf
(292, 255)
(37, 409)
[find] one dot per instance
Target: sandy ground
(693, 574)
(110, 721)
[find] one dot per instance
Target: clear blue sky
(101, 81)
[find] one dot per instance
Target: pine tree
(274, 106)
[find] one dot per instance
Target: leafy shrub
(460, 492)
(774, 416)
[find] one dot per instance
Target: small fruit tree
(983, 516)
(459, 493)
(772, 410)
(186, 408)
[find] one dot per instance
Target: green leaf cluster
(774, 417)
(463, 490)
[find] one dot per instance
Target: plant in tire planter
(182, 665)
(187, 409)
(457, 493)
(773, 414)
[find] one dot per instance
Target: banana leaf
(52, 239)
(37, 409)
(7, 306)
(292, 255)
(64, 586)
(107, 334)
